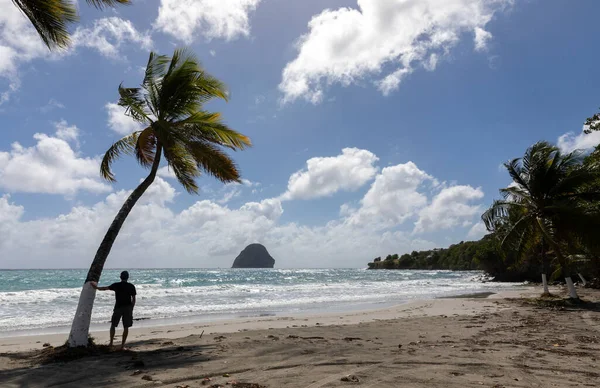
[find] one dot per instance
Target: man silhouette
(124, 303)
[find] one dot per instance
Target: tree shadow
(558, 303)
(62, 366)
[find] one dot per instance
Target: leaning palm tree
(169, 104)
(546, 203)
(52, 17)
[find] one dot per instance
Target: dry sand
(460, 342)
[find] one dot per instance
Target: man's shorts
(124, 311)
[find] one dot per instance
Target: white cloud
(477, 231)
(9, 213)
(393, 198)
(570, 141)
(449, 208)
(249, 183)
(51, 105)
(66, 132)
(119, 122)
(205, 234)
(108, 35)
(166, 172)
(481, 38)
(224, 19)
(229, 195)
(51, 166)
(20, 43)
(210, 234)
(385, 39)
(325, 176)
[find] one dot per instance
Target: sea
(44, 301)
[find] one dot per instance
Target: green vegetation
(546, 223)
(462, 256)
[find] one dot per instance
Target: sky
(378, 126)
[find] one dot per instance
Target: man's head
(124, 275)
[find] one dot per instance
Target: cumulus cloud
(108, 35)
(20, 43)
(477, 231)
(452, 206)
(119, 122)
(393, 198)
(224, 19)
(166, 172)
(210, 234)
(205, 234)
(325, 176)
(570, 141)
(51, 166)
(66, 132)
(383, 40)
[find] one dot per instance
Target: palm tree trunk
(562, 260)
(583, 281)
(81, 322)
(545, 284)
(544, 271)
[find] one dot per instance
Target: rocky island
(254, 256)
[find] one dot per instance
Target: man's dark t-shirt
(123, 293)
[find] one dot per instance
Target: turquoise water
(44, 299)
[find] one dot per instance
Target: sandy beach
(494, 341)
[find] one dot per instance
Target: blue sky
(378, 127)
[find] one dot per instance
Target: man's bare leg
(125, 332)
(112, 335)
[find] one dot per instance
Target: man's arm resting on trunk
(95, 285)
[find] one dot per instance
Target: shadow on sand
(64, 367)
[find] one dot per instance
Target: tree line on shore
(544, 226)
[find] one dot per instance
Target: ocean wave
(180, 293)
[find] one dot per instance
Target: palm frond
(499, 214)
(515, 194)
(184, 166)
(592, 123)
(516, 172)
(145, 147)
(186, 86)
(125, 145)
(575, 182)
(50, 19)
(133, 100)
(215, 132)
(101, 4)
(170, 102)
(516, 232)
(213, 161)
(152, 83)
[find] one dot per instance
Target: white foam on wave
(170, 299)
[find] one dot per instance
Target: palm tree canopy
(51, 18)
(169, 103)
(547, 198)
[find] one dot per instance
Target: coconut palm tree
(52, 17)
(169, 104)
(547, 203)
